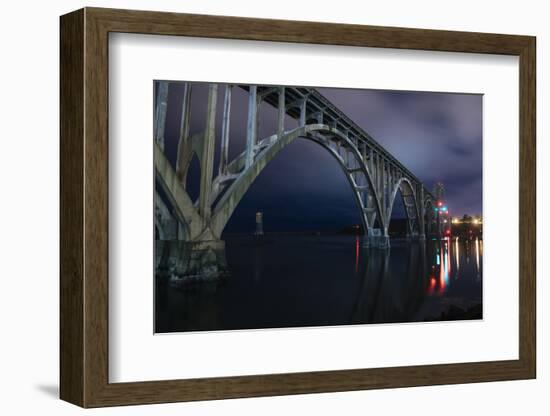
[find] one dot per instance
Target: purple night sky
(437, 136)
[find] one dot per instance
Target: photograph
(294, 206)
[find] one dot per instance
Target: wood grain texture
(71, 208)
(527, 208)
(84, 207)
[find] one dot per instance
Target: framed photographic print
(256, 207)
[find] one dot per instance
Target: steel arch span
(375, 176)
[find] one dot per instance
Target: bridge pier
(182, 263)
(377, 238)
(415, 236)
(384, 240)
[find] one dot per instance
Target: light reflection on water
(296, 281)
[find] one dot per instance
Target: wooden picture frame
(84, 207)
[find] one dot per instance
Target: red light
(440, 204)
(431, 285)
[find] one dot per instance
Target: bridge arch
(408, 194)
(318, 133)
(428, 215)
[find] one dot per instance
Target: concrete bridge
(189, 232)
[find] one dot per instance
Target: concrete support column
(259, 99)
(281, 115)
(303, 107)
(379, 181)
(390, 183)
(183, 156)
(376, 175)
(410, 232)
(383, 189)
(226, 123)
(377, 238)
(421, 213)
(384, 242)
(185, 111)
(389, 186)
(160, 113)
(319, 117)
(373, 235)
(251, 125)
(207, 156)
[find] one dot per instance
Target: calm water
(294, 281)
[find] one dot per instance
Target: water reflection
(478, 275)
(293, 281)
(457, 255)
(257, 263)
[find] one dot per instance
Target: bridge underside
(189, 245)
